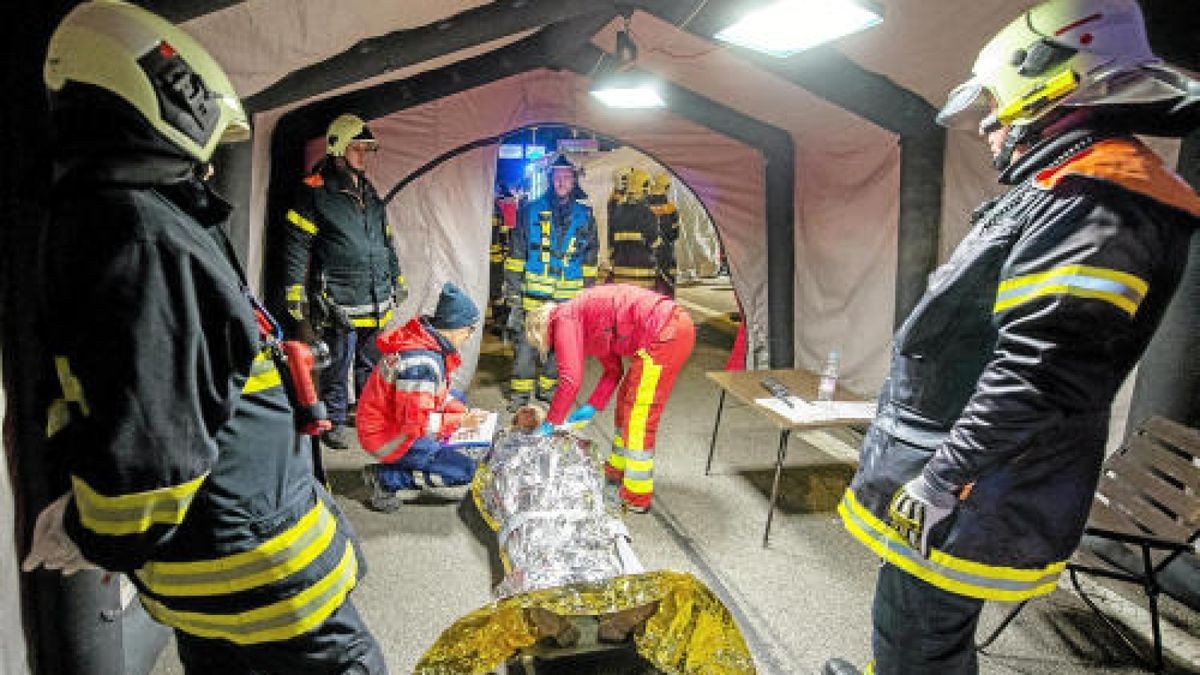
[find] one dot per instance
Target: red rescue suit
(612, 322)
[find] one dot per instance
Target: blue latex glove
(546, 429)
(582, 416)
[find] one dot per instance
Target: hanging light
(789, 26)
(623, 88)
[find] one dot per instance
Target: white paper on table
(816, 411)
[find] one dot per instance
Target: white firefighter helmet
(344, 130)
(153, 66)
(1061, 53)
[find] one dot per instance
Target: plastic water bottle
(829, 376)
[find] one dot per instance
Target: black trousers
(342, 644)
(348, 348)
(919, 628)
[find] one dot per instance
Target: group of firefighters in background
(547, 249)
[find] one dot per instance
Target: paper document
(816, 411)
(479, 436)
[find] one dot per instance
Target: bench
(1143, 526)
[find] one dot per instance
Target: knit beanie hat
(454, 309)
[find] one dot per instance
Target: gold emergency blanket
(691, 632)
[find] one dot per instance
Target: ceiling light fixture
(623, 88)
(790, 26)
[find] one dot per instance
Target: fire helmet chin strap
(1016, 136)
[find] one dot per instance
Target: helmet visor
(967, 106)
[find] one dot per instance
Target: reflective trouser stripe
(370, 321)
(547, 383)
(639, 412)
(136, 512)
(277, 558)
(639, 471)
(263, 374)
(523, 386)
(277, 621)
(616, 457)
(301, 222)
(964, 577)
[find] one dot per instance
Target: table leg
(783, 442)
(712, 443)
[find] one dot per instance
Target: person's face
(356, 155)
(458, 336)
(564, 182)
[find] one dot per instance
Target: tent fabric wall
(726, 175)
(12, 633)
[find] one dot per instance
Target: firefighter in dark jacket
(552, 257)
(977, 475)
(185, 471)
(632, 231)
(340, 259)
(666, 216)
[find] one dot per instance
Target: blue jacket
(553, 250)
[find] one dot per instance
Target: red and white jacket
(407, 399)
(606, 322)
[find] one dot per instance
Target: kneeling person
(407, 410)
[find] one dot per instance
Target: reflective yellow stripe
(72, 388)
(277, 558)
(133, 513)
(370, 321)
(615, 459)
(514, 265)
(295, 293)
(634, 271)
(496, 258)
(964, 577)
(301, 222)
(590, 270)
(627, 236)
(640, 487)
(647, 383)
(263, 374)
(522, 385)
(277, 621)
(1124, 291)
(547, 382)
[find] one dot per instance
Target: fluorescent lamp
(635, 96)
(791, 26)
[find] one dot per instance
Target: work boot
(839, 667)
(517, 402)
(381, 500)
(336, 438)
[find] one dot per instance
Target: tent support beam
(921, 184)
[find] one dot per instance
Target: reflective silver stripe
(421, 360)
(639, 454)
(963, 577)
(373, 308)
(390, 447)
(632, 474)
(420, 386)
(277, 558)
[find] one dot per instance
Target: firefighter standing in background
(552, 257)
(172, 421)
(666, 216)
(632, 231)
(504, 218)
(978, 473)
(339, 243)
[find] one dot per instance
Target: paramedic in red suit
(611, 323)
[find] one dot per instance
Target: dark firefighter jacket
(667, 216)
(1003, 375)
(632, 236)
(338, 235)
(553, 251)
(171, 419)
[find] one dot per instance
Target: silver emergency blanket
(544, 496)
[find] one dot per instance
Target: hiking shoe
(381, 500)
(634, 508)
(336, 438)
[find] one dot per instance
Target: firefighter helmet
(639, 184)
(1069, 53)
(661, 183)
(344, 130)
(153, 66)
(621, 179)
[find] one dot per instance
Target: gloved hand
(516, 319)
(582, 415)
(295, 302)
(918, 510)
(545, 430)
(52, 548)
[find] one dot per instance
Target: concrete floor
(803, 599)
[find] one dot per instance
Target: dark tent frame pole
(918, 230)
(1168, 377)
